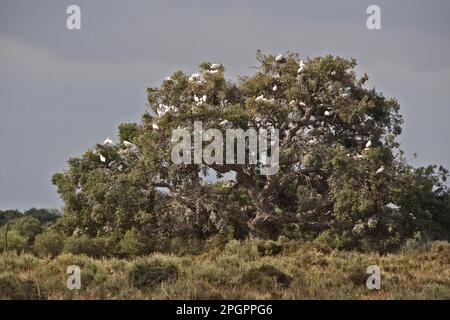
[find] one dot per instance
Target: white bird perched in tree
(168, 79)
(274, 88)
(195, 76)
(127, 143)
(302, 104)
(292, 103)
(107, 141)
(302, 67)
(204, 98)
(328, 113)
(102, 158)
(279, 58)
(215, 66)
(369, 144)
(380, 170)
(224, 122)
(162, 109)
(259, 98)
(155, 126)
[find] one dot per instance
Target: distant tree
(28, 227)
(48, 244)
(8, 215)
(43, 215)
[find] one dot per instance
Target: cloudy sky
(62, 91)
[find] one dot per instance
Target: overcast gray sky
(62, 91)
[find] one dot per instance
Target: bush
(49, 243)
(85, 245)
(149, 274)
(441, 247)
(132, 243)
(264, 277)
(14, 288)
(327, 240)
(16, 242)
(269, 248)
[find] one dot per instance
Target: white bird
(369, 144)
(155, 126)
(195, 76)
(302, 104)
(328, 113)
(292, 103)
(302, 67)
(333, 73)
(215, 66)
(274, 88)
(168, 79)
(204, 98)
(162, 109)
(102, 158)
(196, 99)
(380, 170)
(259, 98)
(107, 141)
(127, 143)
(279, 58)
(224, 122)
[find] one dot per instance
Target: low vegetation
(238, 270)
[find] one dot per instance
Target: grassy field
(240, 270)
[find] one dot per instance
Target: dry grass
(239, 271)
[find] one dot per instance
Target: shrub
(269, 248)
(132, 243)
(85, 245)
(357, 275)
(49, 243)
(28, 227)
(265, 275)
(16, 242)
(244, 249)
(327, 240)
(149, 274)
(14, 288)
(442, 247)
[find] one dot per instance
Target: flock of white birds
(109, 142)
(196, 77)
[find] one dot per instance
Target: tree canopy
(342, 175)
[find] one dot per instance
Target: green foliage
(85, 245)
(8, 215)
(266, 276)
(45, 216)
(15, 241)
(132, 243)
(145, 274)
(342, 177)
(49, 244)
(14, 288)
(28, 227)
(300, 271)
(269, 248)
(128, 132)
